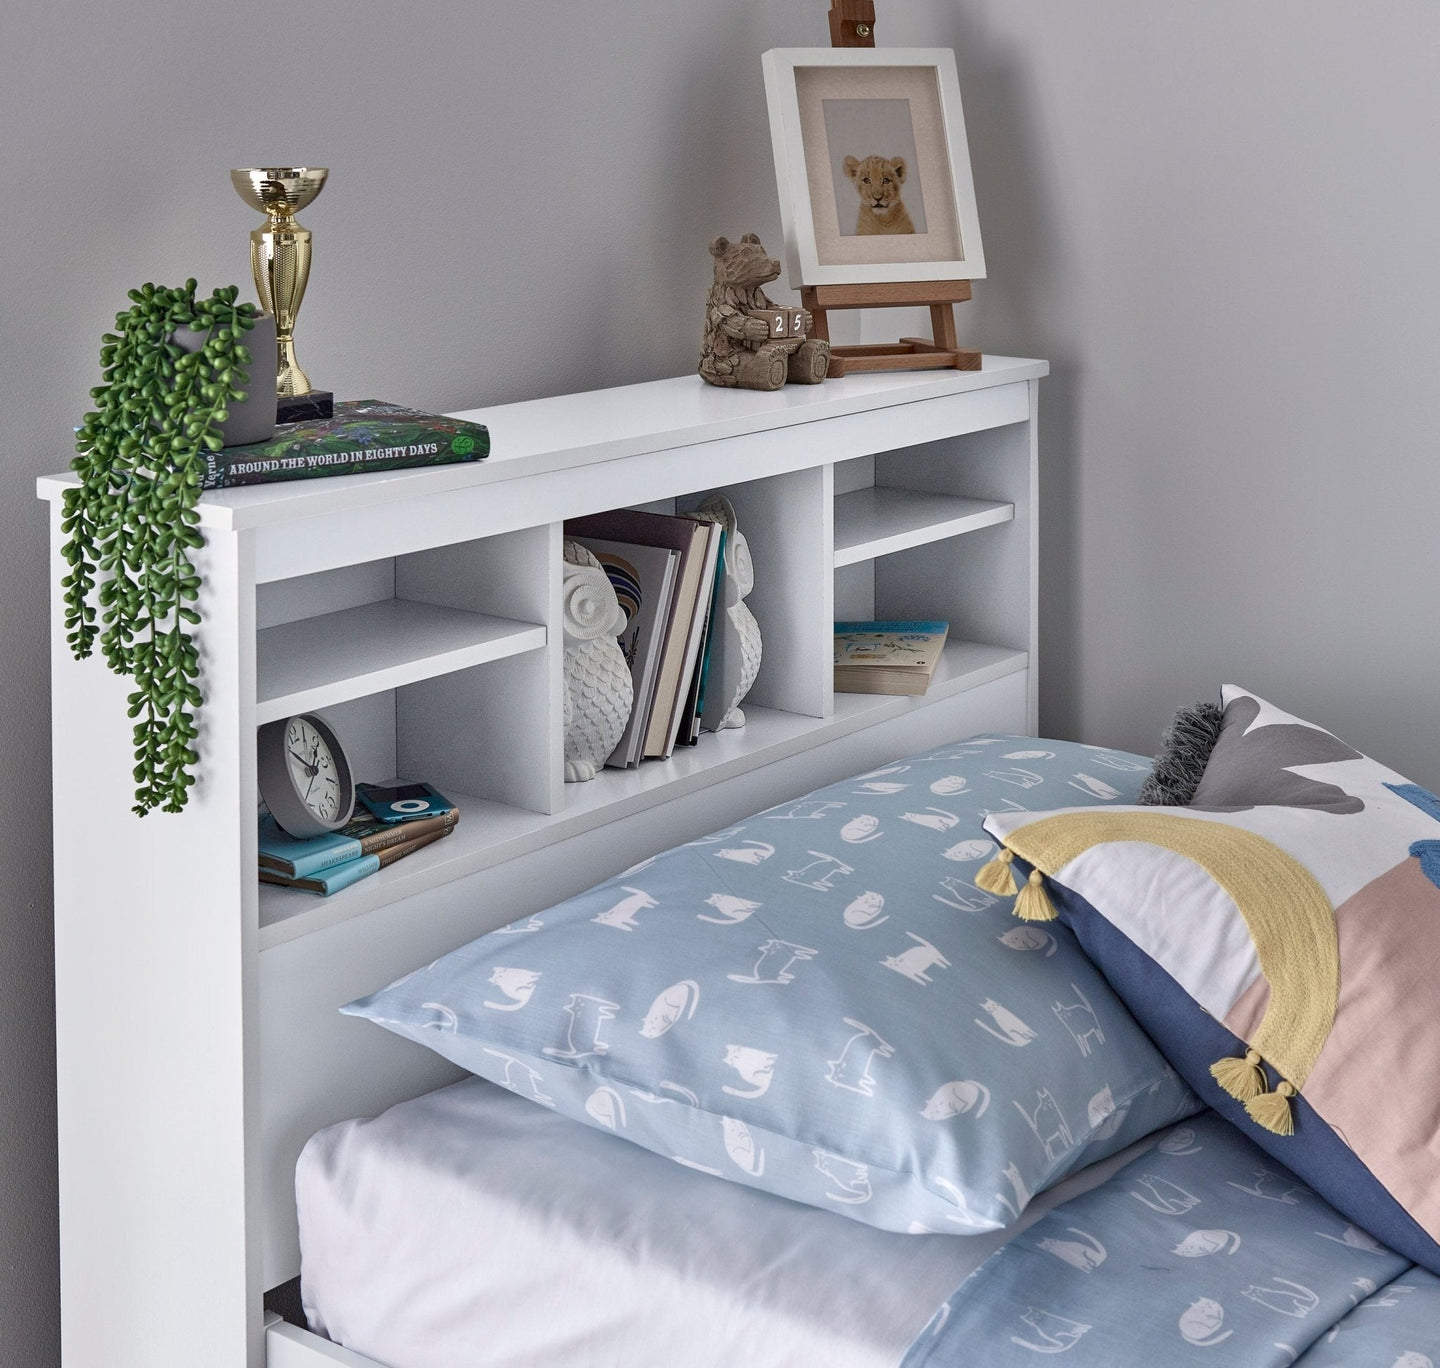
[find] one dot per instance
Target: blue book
(327, 881)
(295, 858)
(298, 859)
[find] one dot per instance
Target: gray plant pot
(252, 419)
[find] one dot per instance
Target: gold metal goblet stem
(280, 255)
(280, 262)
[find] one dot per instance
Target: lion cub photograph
(877, 180)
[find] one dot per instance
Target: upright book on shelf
(677, 656)
(644, 579)
(887, 657)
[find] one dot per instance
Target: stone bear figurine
(741, 349)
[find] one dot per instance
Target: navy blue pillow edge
(1191, 1039)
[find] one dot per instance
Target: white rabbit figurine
(598, 689)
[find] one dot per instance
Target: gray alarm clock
(305, 778)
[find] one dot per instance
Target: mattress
(471, 1228)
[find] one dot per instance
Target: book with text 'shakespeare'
(364, 436)
(298, 858)
(336, 877)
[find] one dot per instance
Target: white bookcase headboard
(197, 1037)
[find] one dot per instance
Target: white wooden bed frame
(198, 1040)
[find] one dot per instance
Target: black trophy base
(304, 408)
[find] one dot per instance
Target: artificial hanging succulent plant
(132, 523)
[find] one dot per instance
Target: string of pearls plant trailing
(132, 522)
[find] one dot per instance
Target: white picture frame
(827, 106)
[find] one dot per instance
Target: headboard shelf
(198, 1039)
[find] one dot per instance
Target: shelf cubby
(317, 662)
(880, 520)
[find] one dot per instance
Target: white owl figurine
(598, 689)
(737, 659)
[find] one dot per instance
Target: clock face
(313, 770)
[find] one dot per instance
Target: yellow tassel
(997, 877)
(1034, 903)
(1241, 1078)
(1272, 1110)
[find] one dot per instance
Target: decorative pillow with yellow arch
(1280, 940)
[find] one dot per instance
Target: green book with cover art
(365, 435)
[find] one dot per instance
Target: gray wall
(1218, 222)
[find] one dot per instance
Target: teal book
(298, 859)
(327, 881)
(364, 435)
(295, 858)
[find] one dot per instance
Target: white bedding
(471, 1228)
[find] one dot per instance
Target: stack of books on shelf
(363, 436)
(887, 657)
(668, 574)
(326, 864)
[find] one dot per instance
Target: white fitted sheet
(470, 1228)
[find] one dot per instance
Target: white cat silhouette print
(950, 784)
(955, 1099)
(866, 911)
(1029, 937)
(1017, 1185)
(516, 984)
(774, 964)
(588, 1016)
(675, 1003)
(849, 1180)
(520, 928)
(1079, 1019)
(1021, 778)
(1286, 1297)
(1160, 1194)
(806, 810)
(964, 897)
(1049, 1125)
(622, 915)
(962, 852)
(445, 1018)
(607, 1108)
(1084, 1252)
(916, 962)
(851, 1069)
(1047, 1333)
(740, 1145)
(937, 819)
(860, 829)
(1352, 1237)
(1179, 1141)
(1200, 1323)
(731, 909)
(1097, 788)
(755, 1067)
(520, 1078)
(1200, 1244)
(1008, 1027)
(820, 874)
(1270, 1187)
(747, 852)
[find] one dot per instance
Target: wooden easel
(852, 24)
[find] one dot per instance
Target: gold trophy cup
(280, 258)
